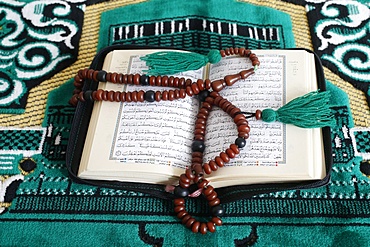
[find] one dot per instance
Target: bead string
(194, 175)
(182, 87)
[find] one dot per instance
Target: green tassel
(308, 111)
(172, 62)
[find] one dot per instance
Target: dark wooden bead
(219, 161)
(184, 178)
(235, 148)
(189, 91)
(201, 84)
(189, 174)
(258, 114)
(182, 93)
(197, 154)
(165, 95)
(190, 222)
(244, 128)
(140, 96)
(120, 78)
(80, 97)
(210, 100)
(104, 95)
(234, 111)
(144, 80)
(170, 81)
(199, 132)
(158, 81)
(212, 196)
(244, 74)
(203, 228)
(128, 97)
(217, 210)
(176, 82)
(239, 117)
(158, 96)
(204, 111)
(223, 53)
(149, 96)
(231, 49)
(231, 79)
(183, 184)
(134, 96)
(164, 81)
(217, 85)
(208, 84)
(200, 121)
(188, 82)
(152, 80)
(240, 142)
(171, 95)
(113, 77)
(227, 51)
(177, 94)
(99, 94)
(123, 97)
(90, 74)
(137, 79)
(217, 221)
(198, 146)
(218, 100)
(74, 100)
(195, 226)
(181, 192)
(211, 226)
(123, 79)
(214, 202)
(230, 153)
(207, 105)
(195, 88)
(242, 122)
(182, 214)
(224, 157)
(241, 52)
(178, 209)
(203, 183)
(185, 219)
(213, 165)
(243, 135)
(199, 137)
(198, 170)
(256, 63)
(207, 169)
(208, 190)
(197, 160)
(179, 201)
(117, 96)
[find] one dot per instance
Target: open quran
(150, 142)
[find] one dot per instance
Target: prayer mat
(44, 43)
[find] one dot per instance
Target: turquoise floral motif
(37, 39)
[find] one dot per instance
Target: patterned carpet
(44, 43)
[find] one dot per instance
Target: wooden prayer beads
(208, 95)
(196, 172)
(182, 87)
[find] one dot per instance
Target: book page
(159, 133)
(274, 151)
(138, 141)
(265, 89)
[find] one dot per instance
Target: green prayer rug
(41, 206)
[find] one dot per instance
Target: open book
(151, 142)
